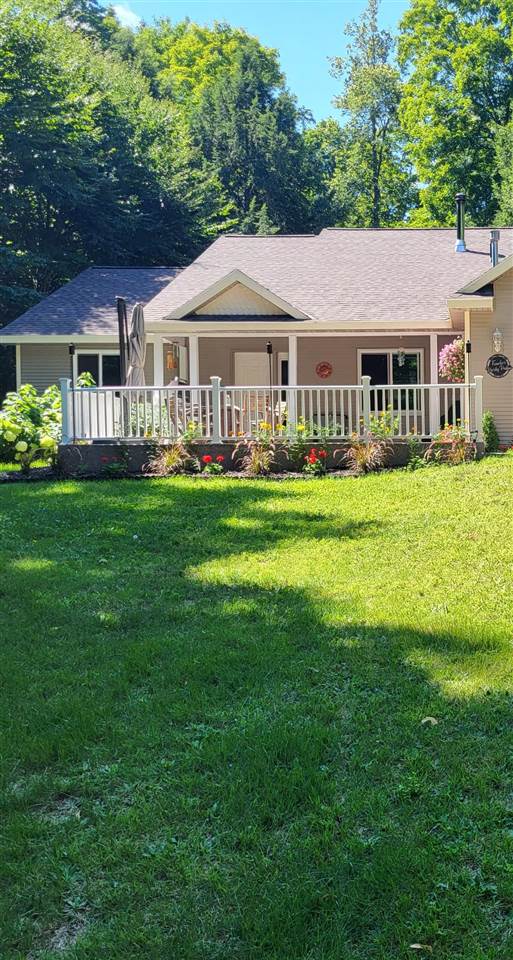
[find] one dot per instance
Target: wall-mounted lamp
(269, 348)
(498, 340)
(468, 346)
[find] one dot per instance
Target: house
(314, 310)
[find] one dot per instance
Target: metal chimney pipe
(495, 236)
(459, 246)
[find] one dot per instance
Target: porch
(219, 412)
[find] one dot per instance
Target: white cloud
(126, 17)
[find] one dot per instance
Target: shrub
(491, 437)
(30, 424)
(366, 455)
(451, 361)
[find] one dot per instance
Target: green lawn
(216, 705)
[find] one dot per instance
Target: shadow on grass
(250, 773)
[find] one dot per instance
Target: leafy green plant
(415, 454)
(30, 424)
(384, 424)
(297, 442)
(490, 434)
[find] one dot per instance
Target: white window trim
(98, 353)
(282, 355)
(390, 351)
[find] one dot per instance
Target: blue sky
(305, 32)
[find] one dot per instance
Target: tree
(504, 158)
(459, 61)
(186, 59)
(247, 126)
(375, 171)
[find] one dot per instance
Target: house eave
(471, 302)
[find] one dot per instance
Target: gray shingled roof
(403, 275)
(344, 274)
(87, 304)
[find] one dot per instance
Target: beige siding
(497, 394)
(240, 300)
(342, 353)
(43, 364)
(216, 355)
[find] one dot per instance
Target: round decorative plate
(324, 369)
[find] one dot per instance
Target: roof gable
(239, 300)
(205, 297)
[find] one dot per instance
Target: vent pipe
(495, 236)
(460, 223)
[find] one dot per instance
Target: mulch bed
(37, 474)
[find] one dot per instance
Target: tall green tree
(458, 55)
(376, 172)
(92, 168)
(248, 127)
(504, 156)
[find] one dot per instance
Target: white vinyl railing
(220, 413)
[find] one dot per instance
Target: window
(390, 367)
(103, 365)
(383, 366)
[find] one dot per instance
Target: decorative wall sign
(324, 369)
(498, 365)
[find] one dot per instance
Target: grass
(258, 721)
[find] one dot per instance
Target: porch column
(193, 359)
(434, 395)
(291, 401)
(158, 362)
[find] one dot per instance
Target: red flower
(104, 459)
(220, 459)
(312, 458)
(323, 454)
(207, 458)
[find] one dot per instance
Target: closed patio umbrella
(136, 348)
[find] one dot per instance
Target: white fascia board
(493, 273)
(234, 276)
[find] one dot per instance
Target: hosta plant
(30, 425)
